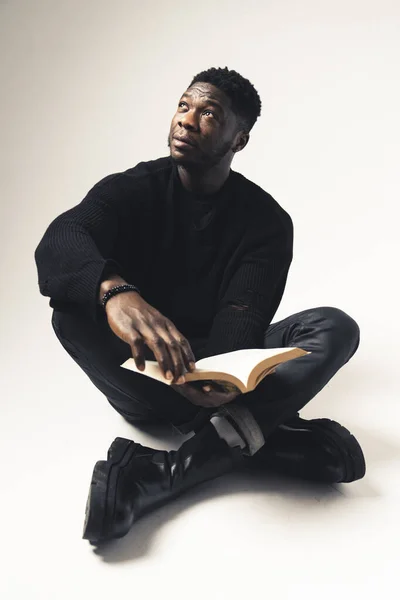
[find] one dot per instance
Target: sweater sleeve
(253, 293)
(73, 256)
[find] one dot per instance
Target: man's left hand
(207, 396)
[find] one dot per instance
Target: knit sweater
(216, 265)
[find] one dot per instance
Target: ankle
(246, 426)
(228, 432)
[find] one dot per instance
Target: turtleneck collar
(213, 198)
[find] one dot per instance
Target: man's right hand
(206, 396)
(138, 323)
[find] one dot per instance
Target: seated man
(174, 260)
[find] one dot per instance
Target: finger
(137, 349)
(189, 358)
(159, 349)
(177, 359)
(175, 351)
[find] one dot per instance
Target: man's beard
(201, 165)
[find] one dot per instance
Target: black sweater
(215, 265)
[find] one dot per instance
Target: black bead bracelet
(117, 289)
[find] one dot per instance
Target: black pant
(330, 334)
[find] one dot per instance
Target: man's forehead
(207, 92)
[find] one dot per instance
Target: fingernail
(181, 379)
(207, 388)
(169, 375)
(192, 366)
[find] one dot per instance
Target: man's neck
(203, 182)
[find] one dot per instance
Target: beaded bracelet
(117, 289)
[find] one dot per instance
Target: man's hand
(207, 396)
(138, 323)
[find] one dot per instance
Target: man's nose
(188, 120)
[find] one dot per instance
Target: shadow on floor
(266, 488)
(308, 497)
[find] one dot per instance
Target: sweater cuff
(108, 268)
(235, 329)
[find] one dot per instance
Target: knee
(342, 323)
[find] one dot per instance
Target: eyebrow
(207, 101)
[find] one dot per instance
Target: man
(174, 260)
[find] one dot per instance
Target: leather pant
(329, 333)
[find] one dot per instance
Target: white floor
(232, 538)
(90, 89)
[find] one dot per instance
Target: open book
(241, 370)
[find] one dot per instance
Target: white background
(89, 88)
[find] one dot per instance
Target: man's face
(203, 116)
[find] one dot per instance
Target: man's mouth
(183, 141)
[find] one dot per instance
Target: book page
(239, 363)
(152, 369)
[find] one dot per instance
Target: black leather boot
(135, 479)
(317, 450)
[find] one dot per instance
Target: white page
(152, 369)
(240, 362)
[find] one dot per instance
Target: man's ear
(241, 142)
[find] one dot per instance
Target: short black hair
(246, 103)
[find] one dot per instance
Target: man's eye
(209, 111)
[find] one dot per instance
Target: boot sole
(101, 499)
(350, 450)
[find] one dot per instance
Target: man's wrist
(109, 283)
